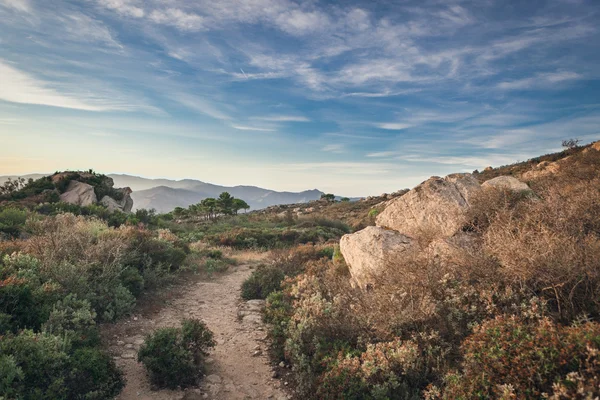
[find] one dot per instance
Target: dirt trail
(238, 367)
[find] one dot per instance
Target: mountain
(165, 194)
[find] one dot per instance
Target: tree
(225, 203)
(11, 186)
(329, 197)
(239, 204)
(345, 199)
(210, 207)
(570, 143)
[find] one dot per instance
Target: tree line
(211, 208)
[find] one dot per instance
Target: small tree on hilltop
(329, 197)
(225, 203)
(570, 143)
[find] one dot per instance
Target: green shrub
(174, 357)
(12, 221)
(43, 363)
(212, 266)
(93, 375)
(327, 252)
(133, 281)
(277, 315)
(24, 301)
(74, 319)
(265, 280)
(211, 253)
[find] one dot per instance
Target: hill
(164, 195)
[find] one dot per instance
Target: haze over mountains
(164, 195)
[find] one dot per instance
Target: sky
(355, 97)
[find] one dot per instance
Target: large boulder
(124, 205)
(436, 207)
(80, 194)
(371, 251)
(507, 183)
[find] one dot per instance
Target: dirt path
(238, 367)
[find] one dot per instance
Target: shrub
(174, 357)
(277, 314)
(73, 319)
(133, 281)
(265, 280)
(24, 301)
(215, 266)
(43, 362)
(552, 247)
(93, 375)
(392, 370)
(12, 221)
(525, 359)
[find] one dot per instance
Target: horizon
(358, 100)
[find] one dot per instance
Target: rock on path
(238, 367)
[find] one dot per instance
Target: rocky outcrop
(427, 219)
(370, 251)
(124, 205)
(507, 183)
(83, 194)
(80, 194)
(437, 206)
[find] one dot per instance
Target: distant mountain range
(165, 194)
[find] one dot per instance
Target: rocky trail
(237, 368)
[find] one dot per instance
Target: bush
(174, 357)
(215, 266)
(392, 370)
(264, 281)
(526, 360)
(42, 361)
(42, 366)
(93, 375)
(73, 319)
(12, 221)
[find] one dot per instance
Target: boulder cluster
(430, 217)
(84, 194)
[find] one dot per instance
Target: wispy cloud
(336, 148)
(252, 128)
(84, 28)
(382, 154)
(546, 80)
(180, 19)
(127, 8)
(393, 126)
(284, 118)
(19, 5)
(19, 87)
(201, 105)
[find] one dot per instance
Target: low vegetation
(174, 357)
(55, 287)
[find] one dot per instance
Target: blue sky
(353, 97)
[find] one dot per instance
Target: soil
(237, 368)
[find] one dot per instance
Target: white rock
(507, 183)
(370, 251)
(79, 193)
(436, 207)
